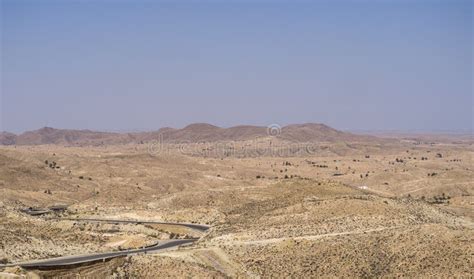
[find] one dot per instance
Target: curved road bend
(71, 260)
(197, 227)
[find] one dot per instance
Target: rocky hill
(7, 138)
(198, 132)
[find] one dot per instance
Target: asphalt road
(71, 260)
(197, 227)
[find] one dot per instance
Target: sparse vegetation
(311, 197)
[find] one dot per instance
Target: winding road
(89, 258)
(198, 227)
(79, 259)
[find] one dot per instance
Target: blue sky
(142, 65)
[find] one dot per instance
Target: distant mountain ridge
(197, 132)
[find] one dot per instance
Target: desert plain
(297, 202)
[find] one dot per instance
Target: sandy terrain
(347, 209)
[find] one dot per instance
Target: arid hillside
(199, 132)
(345, 208)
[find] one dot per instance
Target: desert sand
(308, 201)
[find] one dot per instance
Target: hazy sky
(132, 65)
